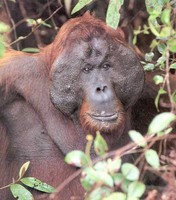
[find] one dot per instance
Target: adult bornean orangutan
(88, 79)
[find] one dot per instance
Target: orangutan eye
(106, 66)
(87, 68)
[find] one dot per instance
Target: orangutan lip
(103, 118)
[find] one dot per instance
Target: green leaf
(118, 179)
(45, 24)
(149, 56)
(101, 166)
(154, 27)
(149, 67)
(80, 5)
(174, 96)
(37, 184)
(121, 182)
(104, 178)
(113, 15)
(158, 79)
(130, 171)
(20, 192)
(134, 40)
(160, 92)
(136, 189)
(145, 29)
(161, 60)
(137, 31)
(173, 66)
(132, 198)
(154, 7)
(161, 48)
(40, 21)
(165, 32)
(172, 45)
(31, 22)
(114, 165)
(23, 169)
(124, 185)
(165, 16)
(77, 158)
(2, 48)
(99, 193)
(90, 177)
(4, 28)
(100, 145)
(153, 44)
(31, 50)
(137, 138)
(161, 122)
(143, 63)
(116, 196)
(152, 158)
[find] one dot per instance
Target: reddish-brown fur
(89, 124)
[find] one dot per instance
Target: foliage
(161, 23)
(4, 28)
(20, 192)
(161, 123)
(39, 21)
(31, 50)
(112, 15)
(80, 5)
(34, 23)
(109, 178)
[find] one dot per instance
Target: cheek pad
(65, 89)
(65, 83)
(127, 76)
(128, 86)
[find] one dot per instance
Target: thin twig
(24, 37)
(35, 15)
(12, 22)
(52, 19)
(167, 77)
